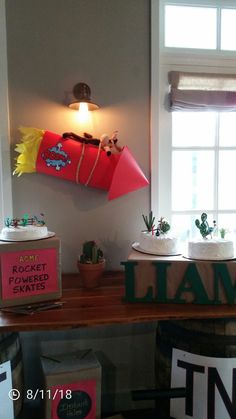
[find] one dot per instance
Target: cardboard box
(30, 271)
(72, 385)
(176, 279)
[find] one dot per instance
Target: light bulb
(83, 112)
(83, 107)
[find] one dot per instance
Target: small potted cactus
(91, 264)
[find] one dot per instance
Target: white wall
(52, 45)
(5, 176)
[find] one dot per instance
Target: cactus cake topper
(25, 221)
(149, 221)
(204, 227)
(162, 225)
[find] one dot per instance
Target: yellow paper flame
(28, 150)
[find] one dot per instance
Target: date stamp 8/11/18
(14, 394)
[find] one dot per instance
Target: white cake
(211, 249)
(21, 233)
(164, 244)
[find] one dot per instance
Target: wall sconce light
(82, 94)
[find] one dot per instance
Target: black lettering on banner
(214, 380)
(3, 376)
(190, 369)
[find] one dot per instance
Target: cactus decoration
(204, 227)
(222, 233)
(24, 221)
(149, 221)
(91, 253)
(162, 227)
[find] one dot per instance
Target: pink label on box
(74, 400)
(29, 272)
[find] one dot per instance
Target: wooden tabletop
(105, 306)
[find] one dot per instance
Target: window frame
(164, 60)
(5, 169)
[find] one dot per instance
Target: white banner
(210, 384)
(5, 389)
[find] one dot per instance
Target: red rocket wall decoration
(81, 162)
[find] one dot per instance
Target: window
(202, 27)
(194, 150)
(5, 172)
(198, 22)
(203, 170)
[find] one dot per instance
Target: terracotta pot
(91, 273)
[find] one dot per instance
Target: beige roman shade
(202, 91)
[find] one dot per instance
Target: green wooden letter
(130, 285)
(221, 275)
(161, 282)
(192, 283)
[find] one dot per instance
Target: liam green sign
(215, 286)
